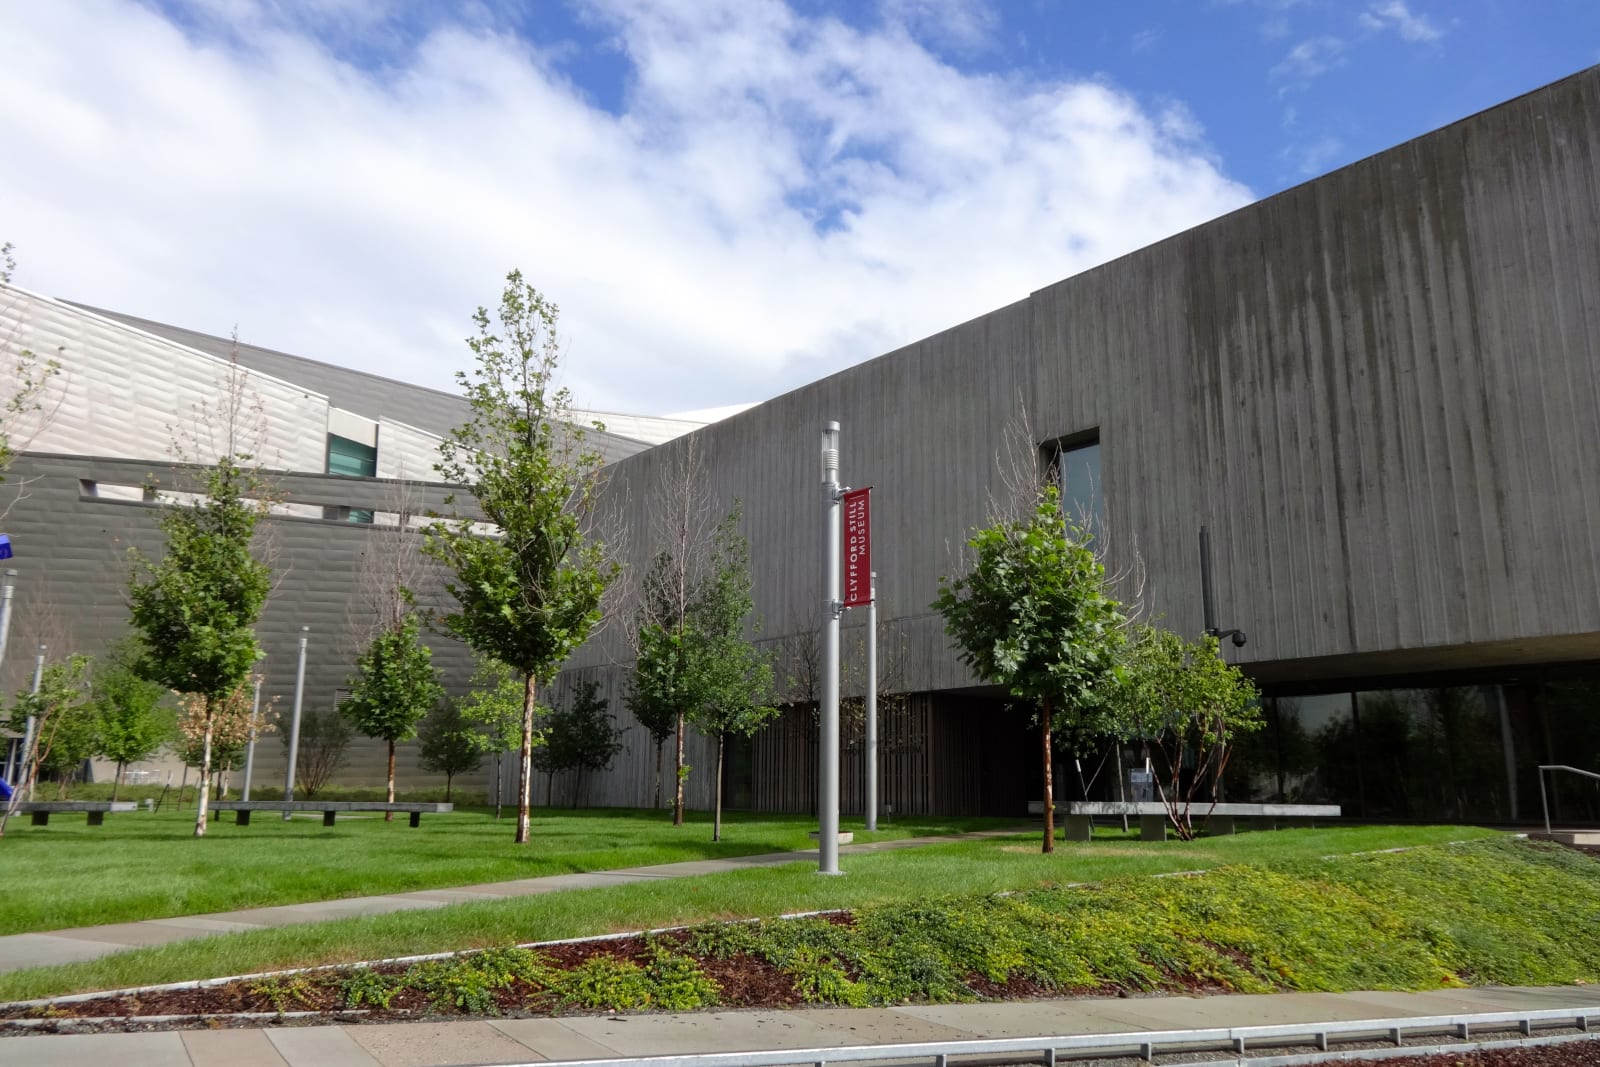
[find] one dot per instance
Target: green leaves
(395, 686)
(1033, 615)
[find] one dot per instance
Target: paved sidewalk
(510, 1041)
(19, 951)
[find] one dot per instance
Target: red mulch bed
(1572, 1054)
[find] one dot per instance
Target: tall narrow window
(352, 459)
(1075, 465)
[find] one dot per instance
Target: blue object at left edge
(5, 546)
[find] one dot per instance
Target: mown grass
(976, 866)
(145, 865)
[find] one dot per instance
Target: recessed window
(351, 459)
(1075, 466)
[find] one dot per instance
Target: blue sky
(727, 197)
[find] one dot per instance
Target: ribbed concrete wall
(1379, 390)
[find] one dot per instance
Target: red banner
(858, 548)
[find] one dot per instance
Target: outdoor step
(1590, 838)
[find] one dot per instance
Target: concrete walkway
(511, 1041)
(19, 951)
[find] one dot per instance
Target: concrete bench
(329, 808)
(41, 810)
(1219, 819)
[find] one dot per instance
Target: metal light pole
(833, 608)
(294, 720)
(33, 721)
(250, 750)
(6, 591)
(872, 707)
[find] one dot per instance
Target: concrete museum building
(1378, 391)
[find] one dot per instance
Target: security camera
(1238, 639)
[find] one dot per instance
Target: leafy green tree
(733, 687)
(449, 746)
(581, 738)
(1033, 615)
(64, 726)
(655, 691)
(196, 609)
(529, 594)
(493, 712)
(1180, 697)
(135, 720)
(395, 686)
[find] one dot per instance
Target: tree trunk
(388, 816)
(116, 783)
(550, 790)
(659, 743)
(577, 789)
(716, 818)
(677, 776)
(447, 777)
(183, 783)
(499, 757)
(203, 800)
(525, 768)
(1049, 790)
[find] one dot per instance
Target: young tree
(324, 736)
(493, 711)
(733, 686)
(660, 693)
(395, 686)
(62, 718)
(229, 721)
(1033, 615)
(1182, 698)
(580, 738)
(449, 744)
(529, 593)
(655, 691)
(134, 718)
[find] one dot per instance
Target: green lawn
(148, 865)
(983, 865)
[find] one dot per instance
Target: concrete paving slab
(529, 886)
(424, 1044)
(1515, 998)
(75, 1050)
(124, 935)
(1022, 1018)
(231, 1048)
(1432, 1002)
(21, 951)
(1266, 1009)
(201, 924)
(551, 1039)
(716, 1031)
(319, 1046)
(879, 1026)
(324, 910)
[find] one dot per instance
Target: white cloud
(1309, 60)
(1395, 15)
(778, 197)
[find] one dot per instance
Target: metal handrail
(1235, 1039)
(1543, 803)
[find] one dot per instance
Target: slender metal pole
(872, 706)
(8, 588)
(828, 765)
(28, 738)
(1543, 803)
(294, 720)
(250, 750)
(1208, 593)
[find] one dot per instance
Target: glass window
(1077, 469)
(1319, 751)
(352, 459)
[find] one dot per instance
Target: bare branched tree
(32, 387)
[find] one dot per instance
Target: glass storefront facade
(1429, 753)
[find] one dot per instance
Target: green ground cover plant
(1488, 911)
(975, 866)
(145, 868)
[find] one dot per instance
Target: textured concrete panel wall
(72, 558)
(124, 392)
(1379, 390)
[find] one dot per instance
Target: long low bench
(1219, 818)
(41, 810)
(329, 808)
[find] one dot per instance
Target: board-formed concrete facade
(1379, 390)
